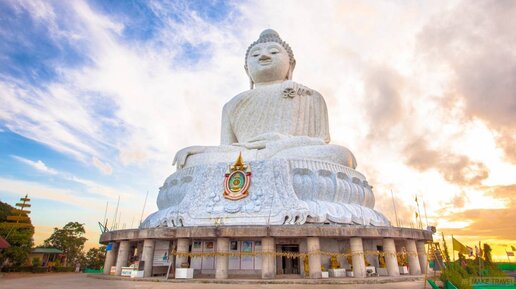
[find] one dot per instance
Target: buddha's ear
(291, 70)
(251, 83)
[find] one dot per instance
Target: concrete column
(357, 251)
(110, 258)
(123, 256)
(148, 256)
(413, 261)
(182, 247)
(139, 249)
(421, 254)
(389, 248)
(222, 262)
(268, 260)
(314, 260)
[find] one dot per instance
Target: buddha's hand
(182, 155)
(260, 141)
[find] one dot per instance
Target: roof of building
(4, 244)
(47, 250)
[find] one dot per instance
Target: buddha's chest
(266, 111)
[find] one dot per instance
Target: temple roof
(47, 250)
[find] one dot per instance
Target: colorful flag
(509, 253)
(458, 246)
(417, 215)
(513, 249)
(470, 251)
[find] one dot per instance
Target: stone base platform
(238, 280)
(285, 231)
(269, 252)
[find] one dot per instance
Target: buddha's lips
(265, 61)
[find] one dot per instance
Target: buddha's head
(269, 59)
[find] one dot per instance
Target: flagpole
(453, 248)
(419, 213)
(507, 256)
(479, 260)
(395, 212)
(424, 207)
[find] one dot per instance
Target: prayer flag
(513, 249)
(470, 251)
(458, 246)
(509, 253)
(477, 251)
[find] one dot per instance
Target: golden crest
(237, 180)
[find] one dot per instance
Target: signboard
(247, 262)
(126, 271)
(109, 247)
(161, 253)
(234, 261)
(196, 262)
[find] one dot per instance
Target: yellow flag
(513, 249)
(458, 246)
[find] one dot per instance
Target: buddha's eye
(274, 51)
(256, 54)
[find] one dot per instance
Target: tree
(487, 253)
(95, 257)
(70, 239)
(18, 236)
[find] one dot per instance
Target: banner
(457, 246)
(161, 253)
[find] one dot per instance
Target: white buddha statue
(280, 128)
(276, 118)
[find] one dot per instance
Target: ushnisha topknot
(269, 35)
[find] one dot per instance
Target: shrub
(64, 269)
(36, 262)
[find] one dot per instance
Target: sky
(97, 96)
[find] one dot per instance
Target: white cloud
(103, 167)
(38, 165)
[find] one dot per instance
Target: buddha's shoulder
(292, 89)
(235, 100)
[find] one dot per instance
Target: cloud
(475, 42)
(103, 167)
(492, 223)
(38, 165)
(455, 168)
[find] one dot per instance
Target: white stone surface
(184, 273)
(403, 270)
(281, 192)
(281, 129)
(337, 272)
(383, 272)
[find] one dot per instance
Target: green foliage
(95, 258)
(64, 269)
(70, 240)
(36, 262)
(463, 269)
(20, 239)
(445, 249)
(487, 253)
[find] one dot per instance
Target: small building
(47, 255)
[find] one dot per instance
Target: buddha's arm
(227, 136)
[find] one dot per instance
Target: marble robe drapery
(267, 110)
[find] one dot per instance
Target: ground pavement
(82, 281)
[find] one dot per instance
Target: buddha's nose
(264, 57)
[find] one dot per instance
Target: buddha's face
(268, 62)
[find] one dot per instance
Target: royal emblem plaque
(237, 180)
